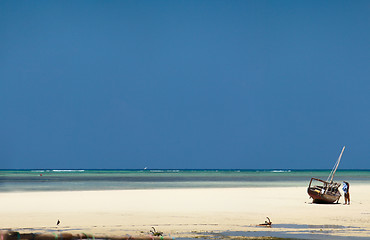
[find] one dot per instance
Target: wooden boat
(325, 191)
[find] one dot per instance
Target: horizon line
(209, 169)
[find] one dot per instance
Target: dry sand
(185, 212)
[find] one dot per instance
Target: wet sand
(187, 212)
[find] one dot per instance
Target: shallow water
(77, 180)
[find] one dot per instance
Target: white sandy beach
(181, 212)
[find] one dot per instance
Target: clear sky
(184, 84)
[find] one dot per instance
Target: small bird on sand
(58, 222)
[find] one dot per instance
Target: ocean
(95, 179)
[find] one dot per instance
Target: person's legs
(346, 198)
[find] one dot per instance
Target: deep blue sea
(79, 180)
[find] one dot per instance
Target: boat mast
(331, 175)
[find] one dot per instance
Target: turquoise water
(77, 180)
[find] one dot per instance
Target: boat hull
(319, 197)
(323, 192)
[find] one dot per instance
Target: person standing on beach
(346, 193)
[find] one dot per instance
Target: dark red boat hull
(322, 198)
(326, 193)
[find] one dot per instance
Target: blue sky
(184, 84)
